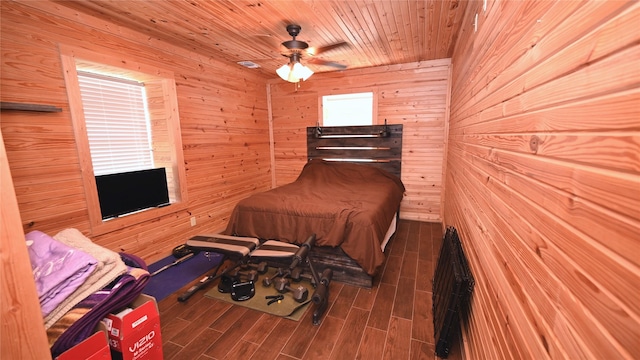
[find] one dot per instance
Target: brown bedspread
(346, 205)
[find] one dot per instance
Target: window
(149, 133)
(117, 121)
(347, 109)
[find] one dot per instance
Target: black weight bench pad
(236, 247)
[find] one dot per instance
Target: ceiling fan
(296, 50)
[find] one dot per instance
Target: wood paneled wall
(223, 115)
(22, 335)
(415, 95)
(543, 178)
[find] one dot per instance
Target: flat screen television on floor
(127, 192)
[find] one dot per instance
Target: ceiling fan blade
(317, 61)
(316, 51)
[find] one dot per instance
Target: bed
(348, 194)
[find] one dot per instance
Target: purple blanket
(58, 269)
(79, 323)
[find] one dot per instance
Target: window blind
(117, 123)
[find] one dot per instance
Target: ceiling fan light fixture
(301, 71)
(294, 72)
(284, 71)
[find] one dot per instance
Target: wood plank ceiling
(376, 32)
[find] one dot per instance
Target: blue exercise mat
(172, 279)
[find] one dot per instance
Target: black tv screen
(127, 192)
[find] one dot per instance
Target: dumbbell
(300, 293)
(251, 275)
(261, 267)
(298, 275)
(267, 281)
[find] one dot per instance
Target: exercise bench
(248, 250)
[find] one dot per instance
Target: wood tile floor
(390, 321)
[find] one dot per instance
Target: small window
(347, 109)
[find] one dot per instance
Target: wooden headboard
(376, 145)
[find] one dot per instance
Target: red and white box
(135, 332)
(95, 347)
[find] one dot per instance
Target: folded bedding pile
(79, 283)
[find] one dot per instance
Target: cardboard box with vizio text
(134, 333)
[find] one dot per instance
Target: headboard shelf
(376, 145)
